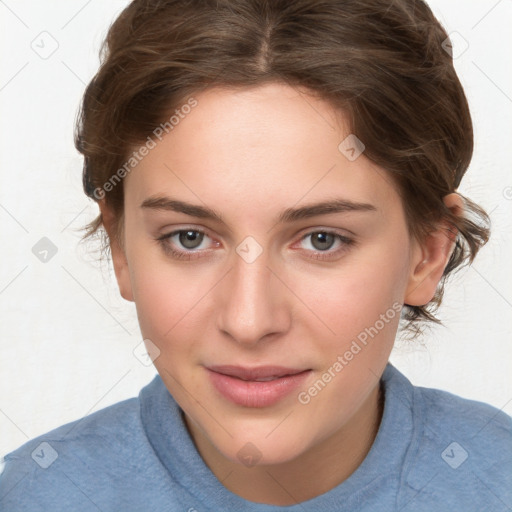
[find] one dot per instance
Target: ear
(118, 254)
(431, 256)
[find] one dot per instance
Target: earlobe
(119, 260)
(430, 257)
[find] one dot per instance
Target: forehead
(258, 150)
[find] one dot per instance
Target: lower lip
(253, 393)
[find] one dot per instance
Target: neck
(313, 472)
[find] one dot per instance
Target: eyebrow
(288, 215)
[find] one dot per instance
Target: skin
(249, 154)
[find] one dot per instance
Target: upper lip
(260, 372)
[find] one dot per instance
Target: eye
(184, 243)
(189, 243)
(322, 241)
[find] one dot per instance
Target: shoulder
(76, 461)
(469, 417)
(462, 454)
(484, 430)
(101, 429)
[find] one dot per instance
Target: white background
(67, 337)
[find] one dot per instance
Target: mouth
(256, 387)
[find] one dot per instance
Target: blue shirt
(434, 451)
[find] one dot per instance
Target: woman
(278, 183)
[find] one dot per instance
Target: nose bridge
(252, 307)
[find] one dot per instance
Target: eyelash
(190, 255)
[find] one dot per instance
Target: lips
(256, 387)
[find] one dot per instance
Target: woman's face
(273, 320)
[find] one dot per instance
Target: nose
(252, 303)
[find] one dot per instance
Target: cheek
(352, 297)
(362, 305)
(167, 298)
(171, 317)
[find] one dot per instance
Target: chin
(261, 450)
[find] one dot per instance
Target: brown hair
(383, 64)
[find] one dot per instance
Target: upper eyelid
(185, 228)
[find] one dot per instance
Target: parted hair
(386, 65)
